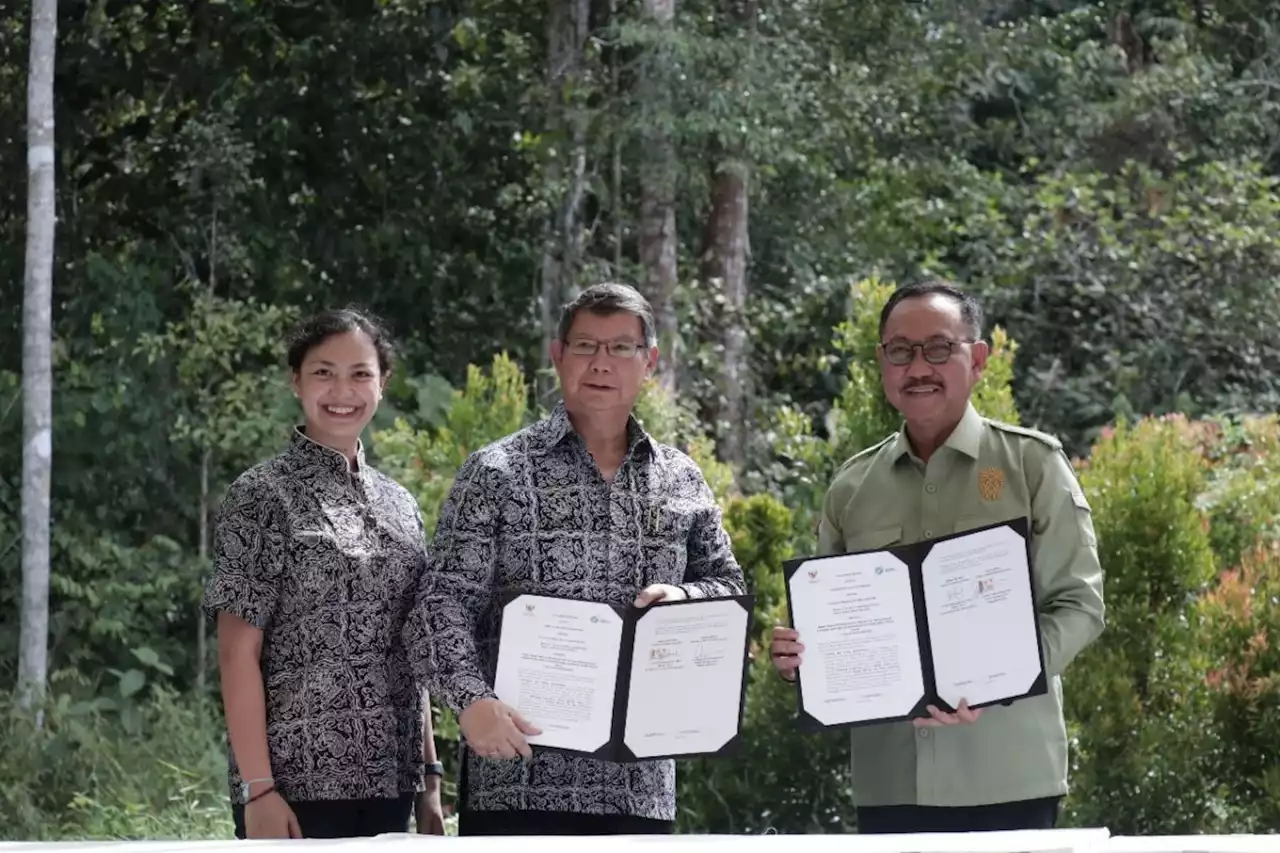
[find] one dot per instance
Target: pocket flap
(871, 540)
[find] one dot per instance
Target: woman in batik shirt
(315, 560)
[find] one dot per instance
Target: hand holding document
(887, 633)
(626, 684)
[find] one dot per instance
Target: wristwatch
(435, 768)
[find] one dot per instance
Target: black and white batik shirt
(326, 560)
(532, 514)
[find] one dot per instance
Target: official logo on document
(991, 483)
(813, 575)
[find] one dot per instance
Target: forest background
(1102, 175)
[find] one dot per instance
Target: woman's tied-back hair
(318, 328)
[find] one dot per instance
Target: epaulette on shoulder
(865, 454)
(1043, 437)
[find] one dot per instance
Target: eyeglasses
(935, 350)
(617, 349)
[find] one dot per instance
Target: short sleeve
(248, 554)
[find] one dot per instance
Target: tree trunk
(202, 625)
(37, 357)
(723, 264)
(724, 272)
(615, 80)
(568, 26)
(658, 246)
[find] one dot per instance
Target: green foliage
(672, 422)
(1114, 209)
(1243, 495)
(226, 355)
(1143, 482)
(780, 779)
(490, 406)
(113, 599)
(1136, 697)
(1174, 259)
(760, 528)
(91, 773)
(862, 415)
(1240, 629)
(667, 418)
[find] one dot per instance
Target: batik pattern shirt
(532, 514)
(325, 560)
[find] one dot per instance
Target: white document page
(686, 678)
(857, 621)
(982, 618)
(558, 666)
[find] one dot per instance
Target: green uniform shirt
(986, 472)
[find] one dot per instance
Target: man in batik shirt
(582, 504)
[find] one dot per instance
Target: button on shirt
(986, 472)
(325, 560)
(531, 514)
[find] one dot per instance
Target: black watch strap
(434, 768)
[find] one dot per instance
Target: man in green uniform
(949, 470)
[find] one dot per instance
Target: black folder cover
(914, 556)
(616, 749)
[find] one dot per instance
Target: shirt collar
(308, 449)
(559, 427)
(966, 438)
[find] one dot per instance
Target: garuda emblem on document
(990, 483)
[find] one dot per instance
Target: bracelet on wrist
(260, 795)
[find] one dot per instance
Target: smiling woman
(317, 559)
(340, 361)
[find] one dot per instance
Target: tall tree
(37, 355)
(724, 266)
(568, 26)
(658, 238)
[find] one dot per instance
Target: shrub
(490, 406)
(159, 772)
(1240, 629)
(1136, 698)
(1242, 497)
(780, 778)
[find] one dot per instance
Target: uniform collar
(559, 427)
(306, 449)
(966, 438)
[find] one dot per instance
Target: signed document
(981, 617)
(627, 684)
(887, 633)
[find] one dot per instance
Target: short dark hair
(970, 310)
(610, 297)
(318, 328)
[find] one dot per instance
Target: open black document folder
(887, 632)
(624, 684)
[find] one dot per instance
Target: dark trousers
(344, 818)
(1023, 814)
(557, 823)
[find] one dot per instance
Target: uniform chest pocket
(995, 514)
(873, 540)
